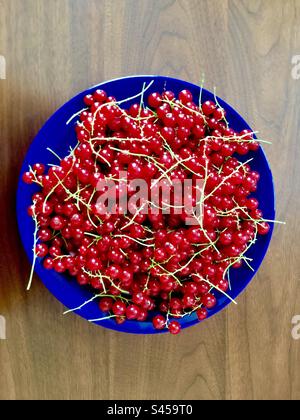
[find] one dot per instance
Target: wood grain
(55, 49)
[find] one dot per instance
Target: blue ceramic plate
(59, 136)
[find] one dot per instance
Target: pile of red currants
(149, 264)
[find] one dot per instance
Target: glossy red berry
(263, 228)
(185, 96)
(202, 314)
(106, 304)
(174, 327)
(209, 300)
(119, 308)
(159, 322)
(154, 100)
(28, 178)
(41, 250)
(132, 312)
(208, 107)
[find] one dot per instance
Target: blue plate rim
(39, 269)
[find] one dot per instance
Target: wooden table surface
(54, 49)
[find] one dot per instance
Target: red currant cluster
(149, 264)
